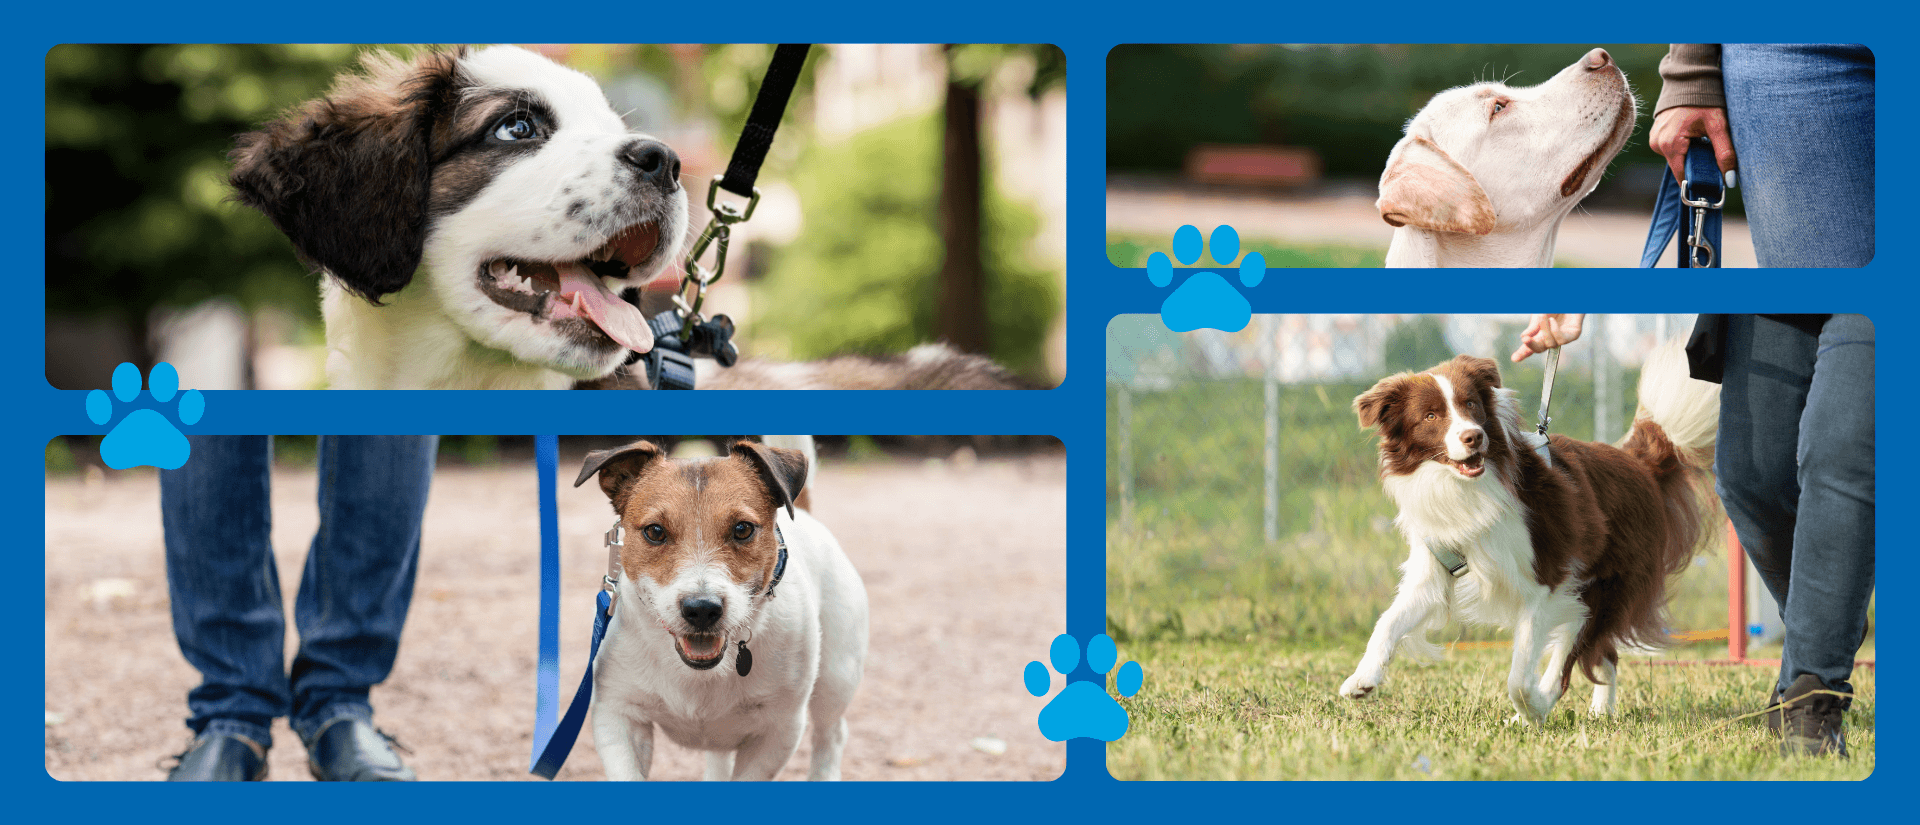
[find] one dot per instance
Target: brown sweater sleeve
(1690, 76)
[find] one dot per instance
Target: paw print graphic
(145, 437)
(1206, 299)
(1083, 709)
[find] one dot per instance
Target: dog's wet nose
(657, 164)
(1598, 59)
(700, 611)
(1472, 439)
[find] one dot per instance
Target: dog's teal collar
(780, 567)
(1448, 557)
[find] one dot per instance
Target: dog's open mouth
(700, 651)
(1469, 467)
(575, 289)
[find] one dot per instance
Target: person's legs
(1825, 608)
(1769, 367)
(358, 581)
(224, 588)
(1802, 118)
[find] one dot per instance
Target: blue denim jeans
(354, 592)
(1795, 468)
(1802, 122)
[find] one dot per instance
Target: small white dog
(1486, 172)
(713, 557)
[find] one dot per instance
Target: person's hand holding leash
(1672, 128)
(1544, 332)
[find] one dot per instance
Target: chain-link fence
(1243, 499)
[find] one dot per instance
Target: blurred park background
(866, 240)
(1244, 501)
(1286, 143)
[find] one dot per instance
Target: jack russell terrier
(712, 558)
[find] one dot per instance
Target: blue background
(1074, 412)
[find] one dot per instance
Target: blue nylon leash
(553, 741)
(1700, 199)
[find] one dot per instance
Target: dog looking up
(1486, 173)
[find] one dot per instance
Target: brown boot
(1810, 722)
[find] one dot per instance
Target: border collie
(1572, 551)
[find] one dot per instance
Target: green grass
(1245, 641)
(1132, 251)
(1269, 709)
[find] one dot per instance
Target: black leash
(681, 334)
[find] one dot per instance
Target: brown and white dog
(1486, 173)
(1572, 554)
(713, 556)
(485, 219)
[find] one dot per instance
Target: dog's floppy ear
(1484, 371)
(347, 177)
(618, 468)
(784, 471)
(1375, 405)
(1425, 187)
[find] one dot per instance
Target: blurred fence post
(1603, 375)
(1268, 352)
(1123, 444)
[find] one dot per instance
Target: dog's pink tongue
(582, 293)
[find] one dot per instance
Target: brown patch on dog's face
(711, 511)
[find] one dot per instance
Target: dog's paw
(1361, 684)
(1206, 299)
(145, 436)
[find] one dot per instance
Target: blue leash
(552, 741)
(1700, 199)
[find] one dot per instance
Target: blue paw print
(145, 437)
(1206, 299)
(1083, 708)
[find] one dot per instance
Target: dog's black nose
(700, 611)
(1472, 439)
(656, 163)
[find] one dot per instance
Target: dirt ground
(964, 563)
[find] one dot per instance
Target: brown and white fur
(699, 556)
(486, 220)
(1574, 557)
(1486, 173)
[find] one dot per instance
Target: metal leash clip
(716, 236)
(1697, 240)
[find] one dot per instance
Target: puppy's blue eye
(518, 126)
(743, 531)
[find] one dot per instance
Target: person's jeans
(1802, 122)
(1795, 467)
(354, 592)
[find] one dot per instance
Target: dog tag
(744, 661)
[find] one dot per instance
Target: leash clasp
(717, 236)
(1700, 250)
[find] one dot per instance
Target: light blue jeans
(1795, 469)
(354, 593)
(1802, 121)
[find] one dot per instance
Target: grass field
(1245, 642)
(1268, 710)
(1128, 250)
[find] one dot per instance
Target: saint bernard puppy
(484, 217)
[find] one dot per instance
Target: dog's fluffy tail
(1673, 435)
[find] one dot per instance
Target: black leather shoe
(348, 749)
(220, 757)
